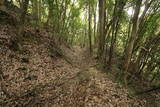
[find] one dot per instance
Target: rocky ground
(34, 78)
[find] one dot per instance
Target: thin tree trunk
(129, 49)
(89, 27)
(142, 24)
(95, 24)
(118, 9)
(22, 17)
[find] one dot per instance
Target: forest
(79, 53)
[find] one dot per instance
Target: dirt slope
(32, 78)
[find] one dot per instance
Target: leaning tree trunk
(129, 49)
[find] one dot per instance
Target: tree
(129, 48)
(118, 9)
(24, 9)
(101, 41)
(89, 26)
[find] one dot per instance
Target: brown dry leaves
(45, 81)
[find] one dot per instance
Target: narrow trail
(90, 87)
(48, 82)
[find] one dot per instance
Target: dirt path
(90, 87)
(48, 82)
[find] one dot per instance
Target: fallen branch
(149, 90)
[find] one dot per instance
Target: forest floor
(34, 79)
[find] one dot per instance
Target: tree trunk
(89, 27)
(101, 28)
(22, 17)
(118, 9)
(141, 25)
(95, 24)
(35, 11)
(129, 49)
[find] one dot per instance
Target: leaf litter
(35, 79)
